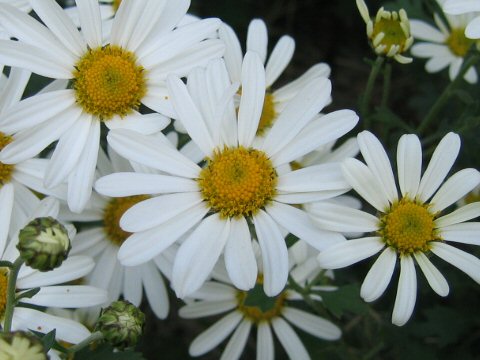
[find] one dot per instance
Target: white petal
(80, 180)
(280, 57)
(265, 348)
(125, 20)
(334, 217)
(75, 296)
(152, 153)
(257, 38)
(143, 246)
(467, 233)
(406, 292)
(6, 206)
(67, 152)
(90, 22)
(215, 334)
(378, 162)
(143, 123)
(318, 132)
(379, 276)
(200, 309)
(473, 29)
(67, 330)
(251, 101)
(289, 340)
(298, 113)
(28, 143)
(73, 268)
(164, 207)
(456, 187)
(132, 284)
(434, 277)
(298, 223)
(465, 213)
(64, 29)
(155, 290)
(237, 342)
(361, 178)
(15, 86)
(423, 31)
(442, 160)
(239, 256)
(189, 115)
(127, 184)
(198, 254)
(462, 260)
(409, 163)
(312, 324)
(456, 7)
(274, 253)
(349, 252)
(233, 52)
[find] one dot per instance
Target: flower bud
(44, 243)
(20, 346)
(121, 324)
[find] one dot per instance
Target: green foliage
(345, 299)
(105, 352)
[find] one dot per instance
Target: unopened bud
(44, 243)
(20, 346)
(121, 324)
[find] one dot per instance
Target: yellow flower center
(116, 5)
(458, 43)
(108, 82)
(393, 34)
(258, 307)
(3, 291)
(238, 181)
(6, 170)
(268, 114)
(112, 214)
(408, 227)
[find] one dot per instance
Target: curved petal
(237, 342)
(257, 38)
(409, 164)
(379, 276)
(466, 262)
(406, 292)
(465, 213)
(434, 277)
(289, 340)
(279, 58)
(312, 324)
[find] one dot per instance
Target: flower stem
(387, 77)
(305, 293)
(11, 289)
(365, 99)
(449, 90)
(93, 337)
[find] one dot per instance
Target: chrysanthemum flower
(247, 309)
(109, 82)
(456, 7)
(51, 294)
(389, 32)
(102, 242)
(257, 40)
(446, 46)
(409, 227)
(238, 185)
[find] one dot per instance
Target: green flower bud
(44, 243)
(21, 346)
(121, 324)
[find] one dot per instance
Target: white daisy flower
(51, 294)
(456, 7)
(102, 242)
(389, 32)
(257, 40)
(253, 308)
(409, 227)
(108, 82)
(446, 46)
(238, 184)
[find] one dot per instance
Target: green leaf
(48, 340)
(345, 299)
(105, 352)
(28, 294)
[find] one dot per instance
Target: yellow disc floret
(388, 34)
(116, 5)
(268, 114)
(258, 307)
(3, 291)
(6, 170)
(458, 43)
(408, 227)
(112, 213)
(238, 181)
(108, 82)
